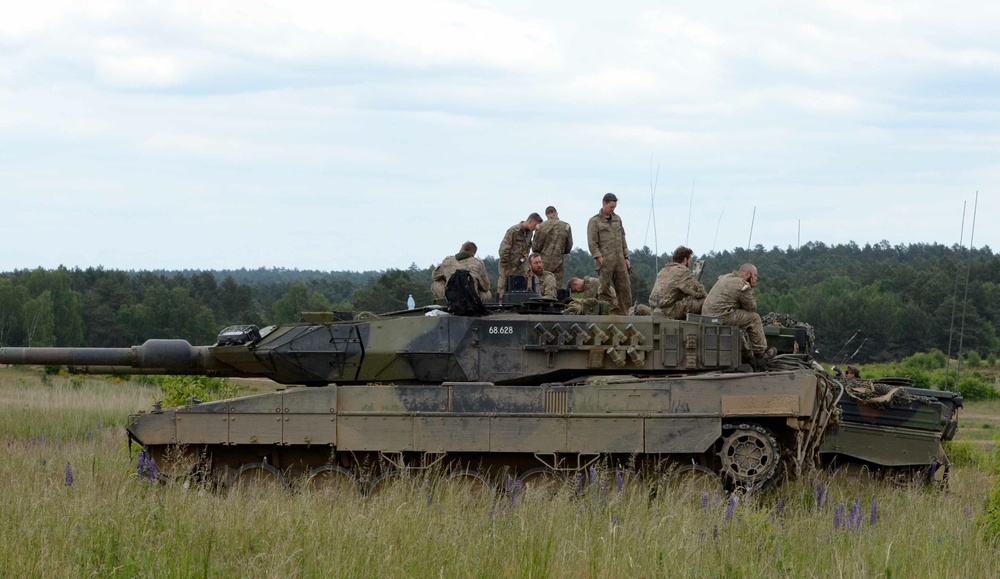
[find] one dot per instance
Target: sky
(333, 135)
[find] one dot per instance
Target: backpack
(462, 295)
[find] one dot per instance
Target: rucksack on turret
(462, 295)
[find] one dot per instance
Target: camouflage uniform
(606, 238)
(553, 240)
(676, 292)
(513, 255)
(453, 263)
(592, 289)
(731, 299)
(545, 284)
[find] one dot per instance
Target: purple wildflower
(838, 516)
(620, 481)
(140, 468)
(44, 462)
(614, 521)
(579, 483)
(934, 467)
(69, 475)
(873, 513)
(515, 490)
(593, 474)
(151, 469)
(781, 509)
(90, 434)
(730, 506)
(704, 499)
(715, 531)
(819, 495)
(854, 517)
(968, 512)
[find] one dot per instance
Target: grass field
(111, 523)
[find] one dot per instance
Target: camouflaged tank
(527, 393)
(887, 427)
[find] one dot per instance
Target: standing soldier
(513, 256)
(606, 239)
(732, 300)
(465, 259)
(553, 240)
(676, 292)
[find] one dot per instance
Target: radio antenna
(965, 298)
(717, 224)
(954, 301)
(752, 219)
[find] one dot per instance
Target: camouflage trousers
(750, 322)
(520, 269)
(613, 273)
(680, 309)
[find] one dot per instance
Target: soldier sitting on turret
(464, 259)
(544, 281)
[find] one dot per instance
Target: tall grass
(112, 523)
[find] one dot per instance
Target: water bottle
(410, 304)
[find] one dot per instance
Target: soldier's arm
(538, 241)
(504, 256)
(746, 299)
(569, 239)
(592, 238)
(692, 287)
(482, 280)
(624, 245)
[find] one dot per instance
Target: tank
(529, 395)
(891, 429)
(887, 427)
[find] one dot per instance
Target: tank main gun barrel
(171, 356)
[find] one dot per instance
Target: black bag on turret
(463, 298)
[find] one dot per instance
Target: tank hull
(643, 425)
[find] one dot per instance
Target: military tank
(528, 393)
(888, 428)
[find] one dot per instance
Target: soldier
(732, 299)
(513, 256)
(464, 259)
(853, 372)
(606, 240)
(553, 239)
(590, 288)
(544, 281)
(676, 292)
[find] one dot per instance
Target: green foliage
(963, 453)
(973, 359)
(990, 519)
(927, 361)
(299, 299)
(973, 387)
(178, 390)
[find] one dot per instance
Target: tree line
(874, 302)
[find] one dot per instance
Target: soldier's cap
(854, 370)
(609, 197)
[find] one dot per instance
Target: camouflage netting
(786, 321)
(882, 395)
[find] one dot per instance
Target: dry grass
(111, 523)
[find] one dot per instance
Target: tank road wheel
(541, 482)
(386, 482)
(332, 481)
(750, 455)
(694, 480)
(255, 476)
(469, 482)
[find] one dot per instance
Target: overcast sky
(371, 135)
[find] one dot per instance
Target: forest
(872, 303)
